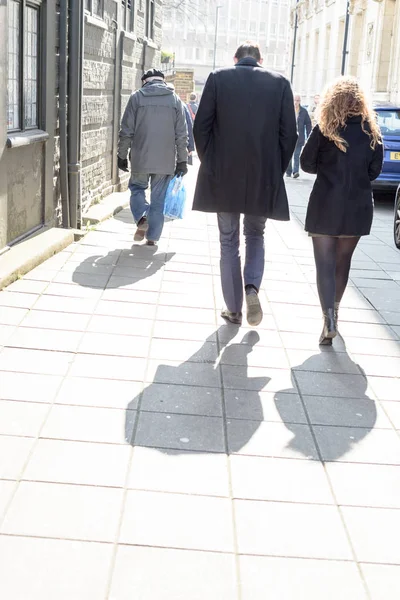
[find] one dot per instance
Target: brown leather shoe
(140, 232)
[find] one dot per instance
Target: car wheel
(397, 219)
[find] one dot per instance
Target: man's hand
(181, 169)
(123, 164)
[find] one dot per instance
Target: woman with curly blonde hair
(345, 152)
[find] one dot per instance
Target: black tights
(333, 260)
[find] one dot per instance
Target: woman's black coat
(245, 134)
(341, 201)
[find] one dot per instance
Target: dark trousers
(231, 271)
(294, 165)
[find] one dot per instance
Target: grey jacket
(154, 129)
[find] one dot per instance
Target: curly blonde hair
(342, 99)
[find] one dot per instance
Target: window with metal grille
(150, 13)
(128, 15)
(23, 65)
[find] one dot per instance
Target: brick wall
(183, 81)
(99, 94)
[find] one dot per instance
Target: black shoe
(329, 329)
(235, 318)
(296, 175)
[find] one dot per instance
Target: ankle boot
(336, 316)
(329, 328)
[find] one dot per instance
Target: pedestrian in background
(245, 134)
(189, 124)
(304, 129)
(345, 151)
(154, 130)
(193, 105)
(314, 110)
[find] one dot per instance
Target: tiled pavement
(148, 451)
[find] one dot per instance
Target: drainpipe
(75, 67)
(346, 37)
(63, 114)
(117, 102)
(294, 46)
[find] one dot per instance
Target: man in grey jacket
(154, 129)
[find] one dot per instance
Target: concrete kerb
(25, 256)
(111, 205)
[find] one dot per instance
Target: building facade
(67, 71)
(355, 37)
(190, 33)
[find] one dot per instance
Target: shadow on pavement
(341, 413)
(184, 429)
(120, 268)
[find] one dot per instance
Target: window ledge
(130, 35)
(95, 21)
(26, 138)
(151, 44)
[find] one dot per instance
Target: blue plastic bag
(175, 199)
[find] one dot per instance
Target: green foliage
(166, 57)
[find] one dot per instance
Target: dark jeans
(294, 165)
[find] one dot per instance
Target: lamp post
(294, 45)
(346, 36)
(216, 35)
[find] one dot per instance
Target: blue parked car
(389, 122)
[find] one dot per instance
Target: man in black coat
(245, 134)
(304, 129)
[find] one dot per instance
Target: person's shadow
(340, 412)
(120, 267)
(181, 410)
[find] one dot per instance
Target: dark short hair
(193, 96)
(248, 49)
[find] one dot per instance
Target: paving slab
(177, 521)
(38, 568)
(358, 444)
(165, 574)
(264, 406)
(186, 432)
(383, 581)
(64, 511)
(374, 533)
(271, 439)
(89, 424)
(365, 484)
(179, 471)
(101, 393)
(280, 480)
(183, 399)
(284, 577)
(347, 412)
(316, 531)
(79, 463)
